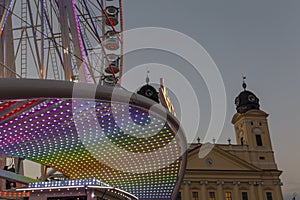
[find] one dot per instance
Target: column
(252, 190)
(2, 164)
(277, 191)
(90, 195)
(236, 194)
(260, 191)
(220, 195)
(203, 189)
(186, 190)
(43, 172)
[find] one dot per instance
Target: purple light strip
(3, 22)
(80, 41)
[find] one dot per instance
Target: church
(243, 171)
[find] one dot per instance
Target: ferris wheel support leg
(42, 67)
(2, 41)
(77, 41)
(9, 49)
(65, 40)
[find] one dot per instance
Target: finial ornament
(198, 139)
(244, 83)
(229, 140)
(147, 78)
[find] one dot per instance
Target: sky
(258, 38)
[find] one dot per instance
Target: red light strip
(16, 110)
(14, 194)
(6, 105)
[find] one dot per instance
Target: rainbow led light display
(117, 143)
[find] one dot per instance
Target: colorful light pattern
(85, 139)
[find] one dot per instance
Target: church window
(244, 196)
(179, 196)
(211, 196)
(242, 141)
(228, 196)
(269, 196)
(195, 196)
(258, 140)
(262, 158)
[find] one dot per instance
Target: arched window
(195, 196)
(179, 196)
(269, 195)
(258, 140)
(244, 195)
(228, 196)
(211, 196)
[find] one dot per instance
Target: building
(243, 171)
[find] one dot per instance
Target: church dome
(246, 101)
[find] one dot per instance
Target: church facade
(243, 171)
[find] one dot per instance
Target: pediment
(217, 159)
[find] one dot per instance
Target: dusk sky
(258, 38)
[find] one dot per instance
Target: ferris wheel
(72, 40)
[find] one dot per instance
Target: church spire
(147, 78)
(244, 83)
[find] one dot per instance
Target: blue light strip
(87, 182)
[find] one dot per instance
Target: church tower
(252, 131)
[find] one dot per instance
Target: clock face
(149, 93)
(257, 130)
(237, 101)
(209, 162)
(251, 98)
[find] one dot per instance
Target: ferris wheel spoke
(35, 39)
(52, 44)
